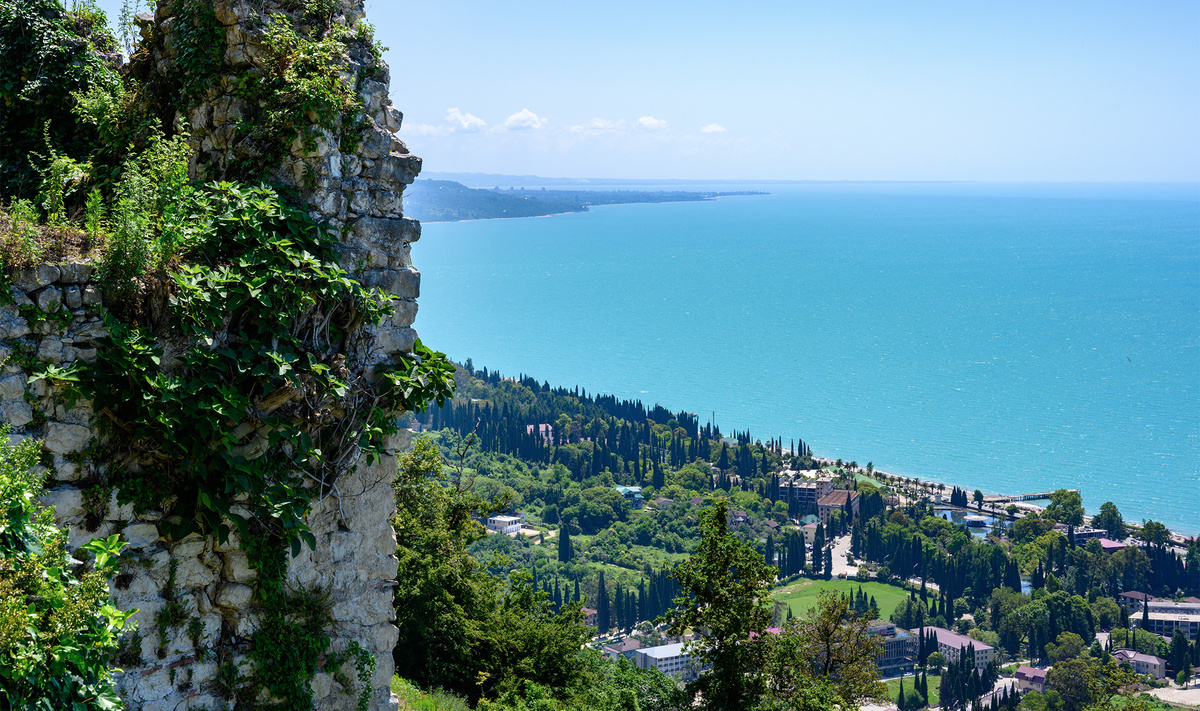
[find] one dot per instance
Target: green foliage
(58, 631)
(49, 57)
(725, 587)
(265, 310)
(199, 44)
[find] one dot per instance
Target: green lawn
(802, 594)
(893, 685)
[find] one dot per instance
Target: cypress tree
(603, 610)
(565, 550)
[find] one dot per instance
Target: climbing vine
(260, 319)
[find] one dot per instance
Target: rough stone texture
(355, 556)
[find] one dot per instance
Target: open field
(802, 594)
(893, 685)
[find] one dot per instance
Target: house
(772, 527)
(505, 524)
(625, 648)
(899, 648)
(1110, 546)
(589, 616)
(632, 494)
(1031, 679)
(544, 431)
(805, 491)
(1132, 601)
(1083, 534)
(662, 503)
(1142, 663)
(737, 518)
(837, 500)
(953, 644)
(1166, 616)
(670, 659)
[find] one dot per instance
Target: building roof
(810, 518)
(837, 497)
(626, 490)
(1128, 655)
(1110, 545)
(628, 644)
(1135, 595)
(589, 611)
(664, 651)
(1037, 676)
(954, 639)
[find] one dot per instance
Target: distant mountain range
(448, 201)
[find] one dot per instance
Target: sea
(1013, 338)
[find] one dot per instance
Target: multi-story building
(899, 649)
(632, 494)
(805, 491)
(504, 524)
(670, 659)
(1083, 534)
(627, 648)
(1165, 617)
(836, 500)
(1142, 663)
(1030, 679)
(1132, 601)
(952, 645)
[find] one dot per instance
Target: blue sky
(1006, 91)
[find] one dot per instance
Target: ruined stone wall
(354, 559)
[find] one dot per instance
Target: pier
(1004, 499)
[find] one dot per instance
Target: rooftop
(628, 644)
(1128, 655)
(837, 497)
(666, 650)
(954, 639)
(1038, 676)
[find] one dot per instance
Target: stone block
(66, 500)
(73, 297)
(382, 233)
(140, 535)
(404, 283)
(342, 544)
(91, 295)
(394, 169)
(404, 312)
(17, 413)
(12, 324)
(394, 340)
(74, 273)
(234, 596)
(62, 438)
(116, 511)
(19, 297)
(237, 567)
(49, 299)
(33, 278)
(50, 350)
(12, 387)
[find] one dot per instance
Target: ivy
(261, 317)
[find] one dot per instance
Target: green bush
(49, 58)
(58, 630)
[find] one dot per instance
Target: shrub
(58, 631)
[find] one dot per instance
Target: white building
(1142, 663)
(504, 524)
(670, 659)
(952, 644)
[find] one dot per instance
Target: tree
(978, 496)
(565, 550)
(1110, 520)
(831, 645)
(725, 586)
(604, 621)
(1156, 534)
(935, 661)
(1066, 506)
(1070, 679)
(1067, 645)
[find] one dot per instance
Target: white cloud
(714, 128)
(652, 123)
(464, 122)
(597, 125)
(424, 129)
(523, 120)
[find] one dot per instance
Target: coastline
(1177, 537)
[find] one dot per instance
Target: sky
(856, 90)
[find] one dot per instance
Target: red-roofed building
(1109, 545)
(1031, 679)
(836, 500)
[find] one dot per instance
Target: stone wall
(354, 559)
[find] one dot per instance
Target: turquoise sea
(1006, 337)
